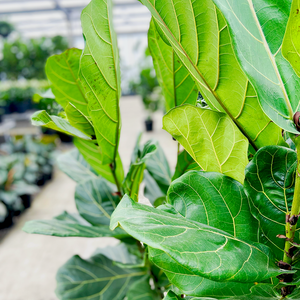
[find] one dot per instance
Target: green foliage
(220, 227)
(27, 58)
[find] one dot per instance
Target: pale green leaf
(100, 75)
(91, 154)
(177, 84)
(78, 120)
(291, 41)
(41, 118)
(211, 139)
(257, 29)
(67, 225)
(63, 72)
(199, 36)
(218, 255)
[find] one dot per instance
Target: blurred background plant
(26, 163)
(148, 88)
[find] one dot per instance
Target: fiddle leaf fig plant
(218, 226)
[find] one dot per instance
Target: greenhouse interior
(149, 150)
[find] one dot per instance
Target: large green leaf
(63, 72)
(100, 75)
(41, 118)
(218, 255)
(211, 139)
(270, 180)
(78, 120)
(141, 290)
(95, 201)
(200, 38)
(291, 41)
(135, 174)
(91, 154)
(257, 29)
(75, 166)
(184, 164)
(95, 278)
(177, 84)
(216, 200)
(190, 284)
(66, 225)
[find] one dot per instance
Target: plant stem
(113, 168)
(291, 228)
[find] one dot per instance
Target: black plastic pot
(149, 125)
(41, 181)
(8, 221)
(26, 200)
(65, 138)
(49, 176)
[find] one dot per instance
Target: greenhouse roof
(37, 18)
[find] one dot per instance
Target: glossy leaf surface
(101, 77)
(175, 80)
(91, 154)
(270, 179)
(215, 200)
(218, 255)
(67, 225)
(200, 38)
(184, 164)
(95, 278)
(63, 72)
(257, 29)
(211, 139)
(190, 284)
(291, 42)
(141, 290)
(42, 118)
(95, 201)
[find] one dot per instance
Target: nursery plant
(225, 225)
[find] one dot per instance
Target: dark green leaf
(215, 200)
(67, 225)
(95, 278)
(100, 75)
(219, 255)
(211, 138)
(95, 201)
(184, 164)
(141, 290)
(270, 183)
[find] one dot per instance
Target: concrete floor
(28, 263)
